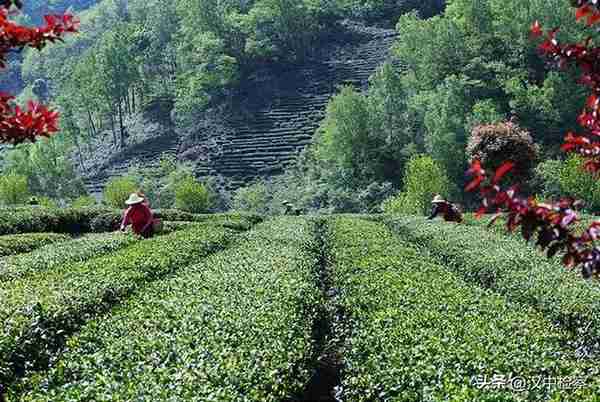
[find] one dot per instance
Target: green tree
(204, 69)
(423, 179)
(47, 166)
(391, 123)
(253, 198)
(192, 196)
(345, 139)
(14, 189)
(117, 190)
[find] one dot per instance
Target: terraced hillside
(324, 308)
(275, 115)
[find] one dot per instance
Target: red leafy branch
(18, 125)
(552, 224)
(585, 57)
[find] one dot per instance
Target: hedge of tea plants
(235, 327)
(75, 250)
(415, 331)
(24, 242)
(57, 255)
(39, 219)
(98, 219)
(38, 310)
(509, 266)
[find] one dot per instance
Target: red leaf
(475, 169)
(502, 171)
(536, 29)
(480, 212)
(593, 19)
(582, 12)
(474, 184)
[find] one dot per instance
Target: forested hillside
(240, 90)
(135, 61)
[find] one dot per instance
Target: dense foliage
(138, 60)
(236, 325)
(64, 297)
(415, 331)
(473, 66)
(554, 224)
(22, 243)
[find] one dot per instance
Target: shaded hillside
(273, 118)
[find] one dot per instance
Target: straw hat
(437, 199)
(133, 199)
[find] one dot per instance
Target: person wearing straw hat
(139, 216)
(289, 208)
(450, 212)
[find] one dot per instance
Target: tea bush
(416, 331)
(57, 255)
(22, 243)
(236, 326)
(511, 267)
(37, 219)
(40, 309)
(98, 219)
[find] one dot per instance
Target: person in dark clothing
(448, 210)
(290, 209)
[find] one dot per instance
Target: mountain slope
(273, 118)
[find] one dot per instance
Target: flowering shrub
(491, 143)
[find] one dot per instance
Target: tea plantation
(239, 307)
